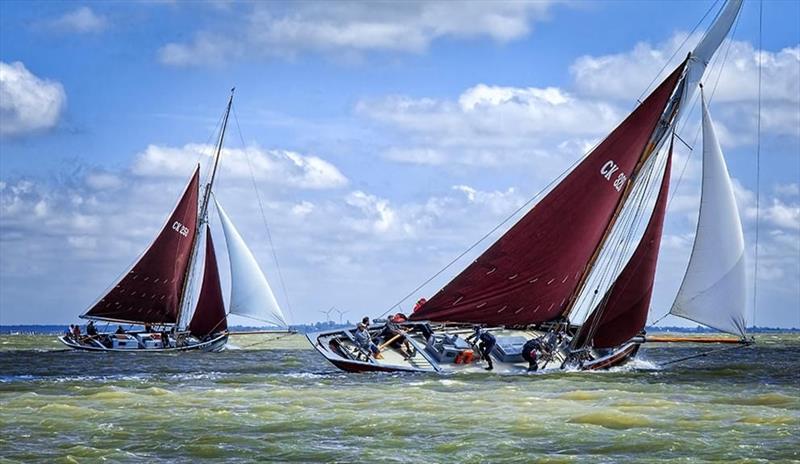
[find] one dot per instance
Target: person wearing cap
(393, 334)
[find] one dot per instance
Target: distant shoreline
(52, 329)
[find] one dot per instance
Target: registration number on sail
(608, 171)
(180, 228)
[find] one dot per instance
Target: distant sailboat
(156, 291)
(525, 287)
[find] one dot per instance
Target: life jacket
(464, 357)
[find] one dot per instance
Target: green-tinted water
(282, 402)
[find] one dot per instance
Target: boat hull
(215, 345)
(338, 347)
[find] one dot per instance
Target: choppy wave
(286, 403)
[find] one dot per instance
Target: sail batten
(251, 295)
(549, 249)
(713, 291)
(209, 316)
(150, 291)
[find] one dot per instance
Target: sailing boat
(156, 292)
(525, 289)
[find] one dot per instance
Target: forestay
(713, 291)
(251, 295)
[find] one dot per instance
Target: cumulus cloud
(277, 166)
(734, 86)
(27, 102)
(354, 27)
(615, 75)
(493, 125)
(498, 202)
(783, 215)
(380, 217)
(82, 20)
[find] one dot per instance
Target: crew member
(530, 352)
(364, 340)
(484, 342)
(91, 329)
(392, 332)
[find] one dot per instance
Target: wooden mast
(203, 218)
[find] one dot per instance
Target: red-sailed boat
(156, 293)
(569, 285)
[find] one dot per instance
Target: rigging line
(694, 103)
(201, 153)
(659, 319)
(610, 266)
(679, 47)
(630, 224)
(192, 271)
(700, 355)
(621, 235)
(697, 132)
(264, 217)
(758, 158)
(265, 341)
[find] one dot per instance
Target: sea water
(278, 401)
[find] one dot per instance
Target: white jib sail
(251, 295)
(713, 291)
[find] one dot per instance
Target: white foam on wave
(306, 375)
(636, 364)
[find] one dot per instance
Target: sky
(381, 140)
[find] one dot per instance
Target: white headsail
(251, 295)
(713, 291)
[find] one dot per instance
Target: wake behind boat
(156, 293)
(562, 287)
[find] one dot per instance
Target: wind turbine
(340, 313)
(328, 313)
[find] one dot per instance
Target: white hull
(339, 348)
(100, 343)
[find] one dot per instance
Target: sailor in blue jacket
(484, 342)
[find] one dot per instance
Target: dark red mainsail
(623, 310)
(150, 292)
(209, 316)
(529, 274)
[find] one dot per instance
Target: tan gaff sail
(714, 291)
